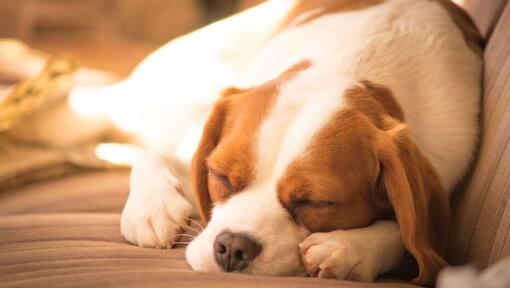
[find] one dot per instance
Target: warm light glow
(94, 101)
(460, 2)
(119, 154)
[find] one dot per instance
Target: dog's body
(292, 152)
(349, 112)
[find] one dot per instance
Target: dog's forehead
(258, 146)
(295, 117)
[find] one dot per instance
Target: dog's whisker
(181, 243)
(195, 222)
(177, 235)
(191, 228)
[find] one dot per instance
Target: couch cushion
(87, 250)
(481, 225)
(103, 191)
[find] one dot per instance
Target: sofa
(64, 232)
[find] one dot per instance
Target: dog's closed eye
(299, 205)
(220, 186)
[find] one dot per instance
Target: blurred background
(50, 50)
(93, 31)
(45, 45)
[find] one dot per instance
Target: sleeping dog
(333, 152)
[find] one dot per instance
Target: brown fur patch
(375, 101)
(466, 25)
(318, 8)
(329, 186)
(338, 173)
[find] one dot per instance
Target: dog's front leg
(358, 254)
(156, 210)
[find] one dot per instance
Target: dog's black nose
(233, 251)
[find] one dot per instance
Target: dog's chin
(271, 263)
(200, 258)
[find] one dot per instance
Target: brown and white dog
(354, 121)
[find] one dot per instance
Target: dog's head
(307, 153)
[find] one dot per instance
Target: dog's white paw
(156, 211)
(337, 254)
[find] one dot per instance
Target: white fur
(294, 119)
(156, 210)
(358, 254)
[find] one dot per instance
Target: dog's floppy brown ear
(418, 199)
(210, 138)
